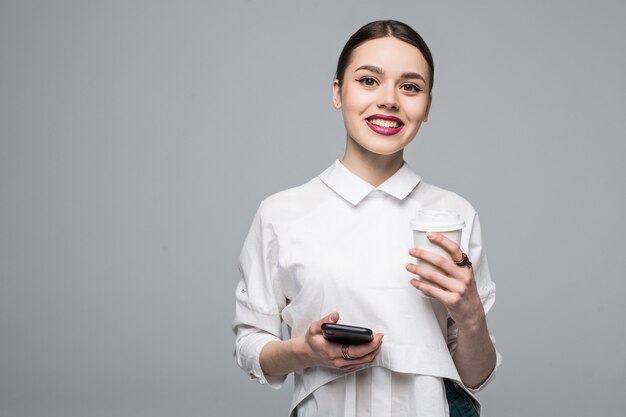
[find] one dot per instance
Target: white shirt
(337, 243)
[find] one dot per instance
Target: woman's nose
(387, 98)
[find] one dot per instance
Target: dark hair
(380, 29)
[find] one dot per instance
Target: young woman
(340, 247)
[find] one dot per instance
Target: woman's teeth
(384, 123)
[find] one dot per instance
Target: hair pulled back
(381, 29)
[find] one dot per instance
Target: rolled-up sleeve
(258, 299)
(486, 290)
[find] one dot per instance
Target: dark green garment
(459, 402)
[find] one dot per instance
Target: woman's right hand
(320, 352)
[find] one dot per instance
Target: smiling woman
(385, 98)
(341, 244)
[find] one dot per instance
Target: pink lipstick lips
(384, 124)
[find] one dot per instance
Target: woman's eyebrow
(379, 70)
(372, 68)
(413, 75)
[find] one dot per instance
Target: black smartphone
(346, 335)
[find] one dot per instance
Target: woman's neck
(371, 167)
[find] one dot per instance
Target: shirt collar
(354, 189)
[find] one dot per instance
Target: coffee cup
(447, 223)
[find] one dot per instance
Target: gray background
(137, 139)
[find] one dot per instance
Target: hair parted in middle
(381, 29)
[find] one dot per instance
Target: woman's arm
(279, 358)
(475, 355)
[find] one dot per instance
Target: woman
(341, 243)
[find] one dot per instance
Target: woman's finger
(448, 245)
(356, 362)
(442, 280)
(316, 326)
(351, 365)
(448, 298)
(432, 258)
(360, 351)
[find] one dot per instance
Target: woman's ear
(336, 94)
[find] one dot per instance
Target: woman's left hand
(455, 287)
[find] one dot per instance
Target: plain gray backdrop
(137, 139)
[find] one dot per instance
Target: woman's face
(384, 97)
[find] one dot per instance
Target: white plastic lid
(437, 221)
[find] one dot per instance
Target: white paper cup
(447, 223)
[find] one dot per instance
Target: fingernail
(429, 236)
(412, 251)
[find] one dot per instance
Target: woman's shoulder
(432, 196)
(294, 201)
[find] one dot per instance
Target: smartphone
(346, 335)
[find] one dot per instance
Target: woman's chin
(384, 149)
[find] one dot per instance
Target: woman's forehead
(390, 54)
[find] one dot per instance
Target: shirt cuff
(249, 356)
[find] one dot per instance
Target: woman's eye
(411, 87)
(367, 81)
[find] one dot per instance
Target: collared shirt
(337, 243)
